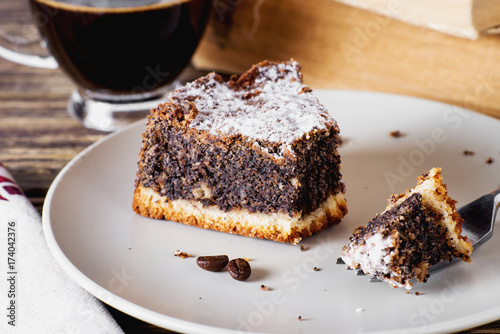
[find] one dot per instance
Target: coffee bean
(213, 262)
(239, 269)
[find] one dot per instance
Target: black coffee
(119, 46)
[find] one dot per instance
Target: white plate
(128, 261)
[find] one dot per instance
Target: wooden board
(342, 47)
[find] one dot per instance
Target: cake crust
(279, 227)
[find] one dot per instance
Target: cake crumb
(396, 134)
(299, 318)
(316, 269)
(264, 287)
(489, 160)
(417, 293)
(467, 152)
(305, 89)
(303, 248)
(181, 254)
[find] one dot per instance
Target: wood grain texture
(38, 137)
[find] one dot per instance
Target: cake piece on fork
(418, 229)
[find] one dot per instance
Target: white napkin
(41, 298)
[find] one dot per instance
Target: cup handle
(9, 47)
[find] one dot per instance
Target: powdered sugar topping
(374, 255)
(275, 107)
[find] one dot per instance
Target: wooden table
(38, 138)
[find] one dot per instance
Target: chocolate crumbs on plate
(181, 254)
(396, 134)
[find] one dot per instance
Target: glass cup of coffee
(122, 55)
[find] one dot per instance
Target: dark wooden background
(38, 137)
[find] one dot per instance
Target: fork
(479, 219)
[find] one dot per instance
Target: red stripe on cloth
(4, 179)
(11, 189)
